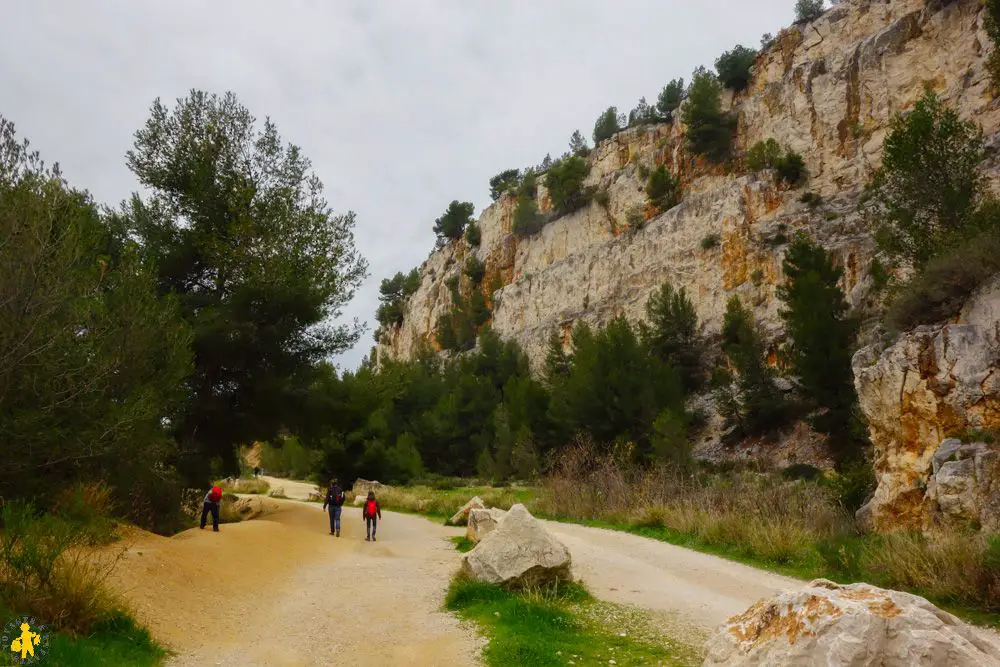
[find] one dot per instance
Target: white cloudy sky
(402, 105)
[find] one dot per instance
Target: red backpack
(371, 508)
(215, 495)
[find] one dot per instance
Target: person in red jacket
(212, 501)
(370, 512)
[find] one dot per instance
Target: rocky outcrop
(857, 625)
(931, 383)
(462, 516)
(964, 486)
(363, 486)
(482, 522)
(519, 552)
(827, 89)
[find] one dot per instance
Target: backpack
(371, 509)
(215, 495)
(338, 497)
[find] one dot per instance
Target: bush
(811, 199)
(709, 130)
(451, 225)
(642, 114)
(45, 573)
(506, 181)
(940, 290)
(608, 125)
(577, 146)
(803, 471)
(710, 241)
(527, 219)
(603, 198)
(475, 269)
(992, 25)
(734, 67)
(473, 235)
(792, 168)
(89, 506)
(663, 189)
(763, 155)
(670, 98)
(808, 10)
(565, 184)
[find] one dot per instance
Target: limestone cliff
(827, 89)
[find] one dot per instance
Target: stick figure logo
(24, 641)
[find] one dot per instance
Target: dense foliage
(808, 10)
(822, 338)
(734, 67)
(642, 114)
(451, 225)
(709, 130)
(577, 146)
(607, 125)
(670, 98)
(767, 154)
(992, 26)
(236, 227)
(564, 181)
(506, 181)
(663, 188)
(392, 296)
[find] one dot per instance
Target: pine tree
(578, 145)
(557, 362)
(671, 334)
(822, 335)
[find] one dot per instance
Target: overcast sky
(401, 105)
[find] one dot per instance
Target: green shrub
(853, 484)
(802, 471)
(710, 241)
(734, 67)
(992, 25)
(451, 225)
(763, 155)
(475, 269)
(663, 189)
(608, 124)
(709, 130)
(811, 199)
(527, 219)
(792, 168)
(565, 184)
(670, 98)
(808, 10)
(642, 114)
(506, 181)
(577, 145)
(940, 290)
(473, 235)
(634, 218)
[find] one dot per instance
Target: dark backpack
(338, 496)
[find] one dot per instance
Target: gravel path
(280, 591)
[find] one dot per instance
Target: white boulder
(826, 624)
(462, 515)
(483, 521)
(518, 552)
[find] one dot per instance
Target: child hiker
(212, 500)
(334, 500)
(371, 511)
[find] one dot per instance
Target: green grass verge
(463, 543)
(119, 640)
(552, 627)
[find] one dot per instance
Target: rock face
(482, 522)
(964, 486)
(826, 624)
(462, 516)
(519, 552)
(932, 382)
(827, 89)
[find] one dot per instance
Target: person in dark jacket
(372, 512)
(335, 501)
(213, 499)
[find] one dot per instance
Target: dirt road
(280, 591)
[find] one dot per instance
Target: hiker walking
(334, 500)
(212, 501)
(372, 513)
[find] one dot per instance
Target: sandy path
(694, 591)
(294, 490)
(279, 590)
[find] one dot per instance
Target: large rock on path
(857, 625)
(518, 553)
(483, 521)
(363, 486)
(462, 515)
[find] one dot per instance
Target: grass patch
(551, 626)
(463, 543)
(117, 641)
